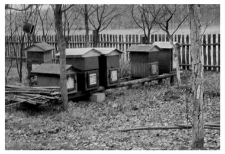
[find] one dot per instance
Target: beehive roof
(165, 45)
(81, 52)
(40, 47)
(109, 51)
(142, 48)
(49, 69)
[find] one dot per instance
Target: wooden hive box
(49, 75)
(166, 60)
(109, 66)
(86, 63)
(37, 54)
(144, 60)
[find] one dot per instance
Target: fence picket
(214, 51)
(219, 50)
(183, 51)
(209, 51)
(187, 52)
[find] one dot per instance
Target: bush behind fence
(210, 46)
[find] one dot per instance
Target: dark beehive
(85, 61)
(166, 60)
(144, 60)
(37, 54)
(40, 53)
(108, 66)
(49, 75)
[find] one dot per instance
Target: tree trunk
(95, 37)
(61, 43)
(21, 58)
(86, 25)
(197, 77)
(175, 56)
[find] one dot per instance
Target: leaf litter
(91, 125)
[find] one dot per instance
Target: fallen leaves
(90, 125)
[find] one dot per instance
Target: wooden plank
(132, 82)
(116, 40)
(217, 56)
(152, 38)
(187, 52)
(179, 53)
(124, 47)
(133, 39)
(120, 40)
(209, 51)
(156, 38)
(160, 37)
(183, 52)
(107, 40)
(110, 40)
(167, 39)
(204, 50)
(214, 51)
(219, 50)
(175, 38)
(163, 37)
(137, 38)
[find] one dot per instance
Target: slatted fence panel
(210, 46)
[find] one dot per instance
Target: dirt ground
(91, 125)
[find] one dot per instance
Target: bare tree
(166, 14)
(9, 6)
(101, 17)
(144, 17)
(24, 15)
(86, 25)
(69, 18)
(46, 21)
(61, 43)
(87, 11)
(197, 77)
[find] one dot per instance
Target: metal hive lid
(49, 69)
(42, 47)
(165, 45)
(109, 51)
(142, 48)
(81, 52)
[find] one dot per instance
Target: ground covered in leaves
(91, 125)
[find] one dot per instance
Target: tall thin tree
(61, 43)
(197, 77)
(86, 25)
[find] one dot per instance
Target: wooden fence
(210, 46)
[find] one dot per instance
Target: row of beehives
(89, 68)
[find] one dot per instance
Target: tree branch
(7, 6)
(180, 23)
(64, 10)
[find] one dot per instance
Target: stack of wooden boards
(32, 95)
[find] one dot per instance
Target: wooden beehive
(37, 54)
(144, 60)
(40, 53)
(85, 61)
(49, 75)
(109, 66)
(166, 58)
